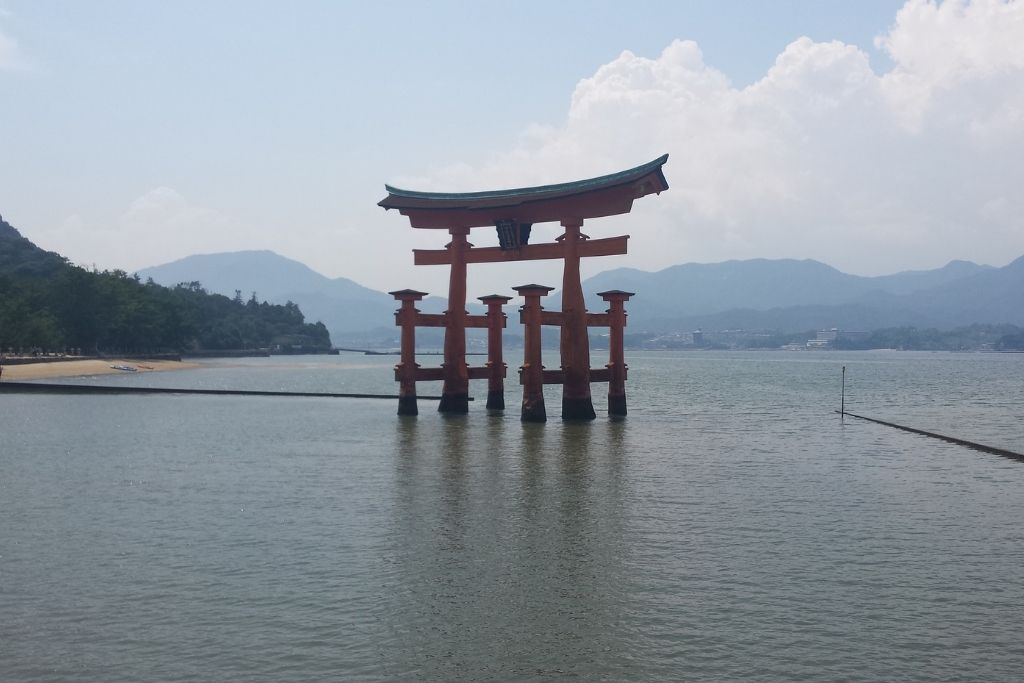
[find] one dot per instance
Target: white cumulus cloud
(164, 225)
(12, 58)
(9, 55)
(159, 226)
(821, 158)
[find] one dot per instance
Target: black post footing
(617, 405)
(577, 409)
(407, 405)
(534, 412)
(454, 403)
(495, 400)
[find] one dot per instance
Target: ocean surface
(731, 528)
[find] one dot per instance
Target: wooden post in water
(616, 352)
(495, 362)
(405, 371)
(842, 399)
(531, 375)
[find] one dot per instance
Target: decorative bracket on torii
(513, 213)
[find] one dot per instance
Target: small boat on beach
(124, 368)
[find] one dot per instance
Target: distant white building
(825, 339)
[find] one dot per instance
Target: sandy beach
(81, 368)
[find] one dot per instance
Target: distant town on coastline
(259, 300)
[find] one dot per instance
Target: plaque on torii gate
(513, 213)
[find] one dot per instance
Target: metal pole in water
(842, 400)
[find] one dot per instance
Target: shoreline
(86, 368)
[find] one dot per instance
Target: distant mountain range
(344, 306)
(785, 295)
(789, 295)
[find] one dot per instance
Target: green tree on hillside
(47, 303)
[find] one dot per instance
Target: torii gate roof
(607, 195)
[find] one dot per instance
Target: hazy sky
(873, 136)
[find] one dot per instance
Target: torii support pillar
(495, 362)
(575, 341)
(405, 371)
(531, 375)
(455, 392)
(616, 355)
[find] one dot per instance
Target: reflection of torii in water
(513, 213)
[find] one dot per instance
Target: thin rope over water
(1019, 457)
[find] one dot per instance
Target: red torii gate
(513, 213)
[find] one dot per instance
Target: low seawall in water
(45, 388)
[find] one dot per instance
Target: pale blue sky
(278, 123)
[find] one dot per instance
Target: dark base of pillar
(407, 405)
(454, 403)
(577, 409)
(534, 412)
(495, 400)
(617, 405)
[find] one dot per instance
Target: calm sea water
(730, 528)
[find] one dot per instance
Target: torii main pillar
(575, 342)
(455, 392)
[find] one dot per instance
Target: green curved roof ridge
(578, 185)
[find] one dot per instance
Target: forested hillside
(46, 303)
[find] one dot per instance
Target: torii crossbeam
(513, 213)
